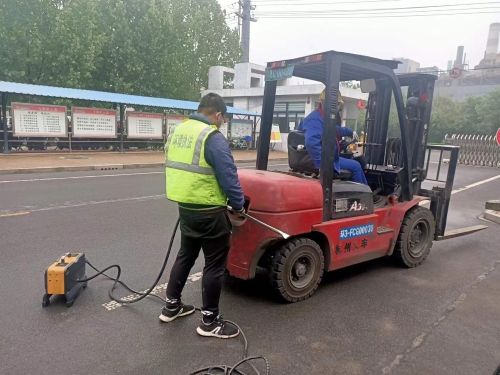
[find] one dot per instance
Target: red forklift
(332, 222)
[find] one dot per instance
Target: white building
(406, 66)
(295, 98)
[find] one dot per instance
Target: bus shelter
(115, 125)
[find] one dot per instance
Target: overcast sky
(428, 40)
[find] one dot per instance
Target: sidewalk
(86, 161)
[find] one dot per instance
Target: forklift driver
(312, 125)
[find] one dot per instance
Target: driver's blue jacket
(312, 125)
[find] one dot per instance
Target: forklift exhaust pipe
(282, 234)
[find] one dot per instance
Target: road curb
(493, 216)
(101, 167)
(493, 205)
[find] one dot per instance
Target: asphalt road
(373, 318)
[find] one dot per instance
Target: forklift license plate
(357, 231)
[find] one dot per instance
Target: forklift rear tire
(415, 237)
(297, 269)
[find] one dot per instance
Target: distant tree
(488, 112)
(147, 47)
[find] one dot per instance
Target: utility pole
(246, 18)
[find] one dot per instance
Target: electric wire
(413, 11)
(370, 16)
(210, 370)
(271, 2)
(376, 12)
(384, 9)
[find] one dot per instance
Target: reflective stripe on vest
(195, 163)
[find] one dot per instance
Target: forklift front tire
(297, 269)
(415, 237)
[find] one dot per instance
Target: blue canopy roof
(108, 97)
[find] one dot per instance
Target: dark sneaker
(218, 328)
(168, 315)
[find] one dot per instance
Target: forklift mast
(420, 93)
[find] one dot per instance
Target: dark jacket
(219, 157)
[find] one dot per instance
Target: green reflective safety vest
(190, 179)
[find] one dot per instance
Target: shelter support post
(122, 115)
(6, 148)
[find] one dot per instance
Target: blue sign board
(277, 74)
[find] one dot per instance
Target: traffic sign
(498, 136)
(455, 73)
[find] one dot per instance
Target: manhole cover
(74, 157)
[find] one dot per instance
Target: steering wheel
(344, 143)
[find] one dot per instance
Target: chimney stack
(460, 58)
(492, 44)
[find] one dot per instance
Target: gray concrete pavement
(373, 318)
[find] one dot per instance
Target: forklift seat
(300, 161)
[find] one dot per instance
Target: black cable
(226, 370)
(122, 283)
(117, 279)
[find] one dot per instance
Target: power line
(415, 12)
(270, 2)
(388, 9)
(372, 16)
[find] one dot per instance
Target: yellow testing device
(62, 278)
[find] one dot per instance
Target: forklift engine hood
(276, 192)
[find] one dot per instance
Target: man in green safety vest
(203, 179)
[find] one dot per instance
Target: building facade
(406, 66)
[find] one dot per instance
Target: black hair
(212, 103)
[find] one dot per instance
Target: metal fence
(481, 150)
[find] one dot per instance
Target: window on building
(289, 115)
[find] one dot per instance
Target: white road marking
(113, 305)
(476, 184)
(79, 177)
(15, 214)
(427, 202)
(107, 175)
(81, 204)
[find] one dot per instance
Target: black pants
(208, 231)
